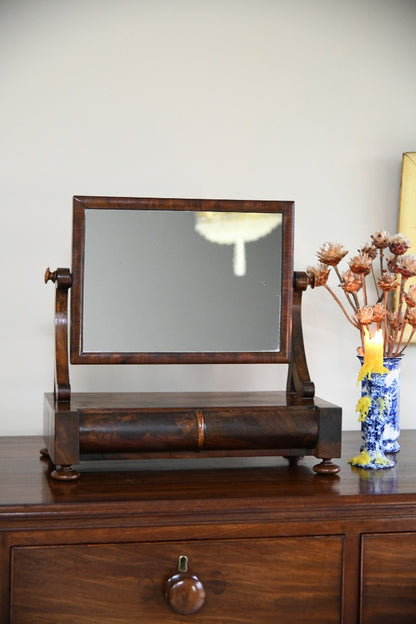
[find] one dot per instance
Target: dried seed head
(410, 317)
(410, 296)
(388, 281)
(395, 320)
(406, 265)
(361, 264)
(399, 244)
(365, 315)
(391, 263)
(370, 250)
(379, 313)
(381, 239)
(318, 274)
(331, 253)
(351, 282)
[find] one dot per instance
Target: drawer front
(388, 584)
(249, 580)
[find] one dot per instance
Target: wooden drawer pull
(184, 591)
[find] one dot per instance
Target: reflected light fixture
(236, 228)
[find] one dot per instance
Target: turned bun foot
(44, 453)
(65, 473)
(326, 467)
(293, 460)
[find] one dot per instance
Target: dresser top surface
(266, 483)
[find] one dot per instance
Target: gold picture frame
(407, 210)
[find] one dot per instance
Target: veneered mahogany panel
(388, 588)
(288, 579)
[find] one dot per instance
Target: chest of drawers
(233, 540)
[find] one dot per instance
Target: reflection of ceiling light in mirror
(236, 228)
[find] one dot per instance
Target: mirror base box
(103, 426)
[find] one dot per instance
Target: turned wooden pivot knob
(184, 591)
(62, 277)
(50, 276)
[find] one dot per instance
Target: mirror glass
(173, 281)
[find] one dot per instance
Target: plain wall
(309, 100)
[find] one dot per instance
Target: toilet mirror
(180, 281)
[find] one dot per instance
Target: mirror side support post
(298, 379)
(62, 279)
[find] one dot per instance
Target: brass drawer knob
(184, 591)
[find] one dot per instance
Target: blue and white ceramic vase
(392, 427)
(379, 415)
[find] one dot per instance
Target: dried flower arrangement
(388, 274)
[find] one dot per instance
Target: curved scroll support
(63, 280)
(298, 379)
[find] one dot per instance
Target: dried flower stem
(381, 260)
(362, 337)
(356, 325)
(375, 282)
(347, 294)
(400, 316)
(364, 287)
(386, 326)
(412, 333)
(399, 342)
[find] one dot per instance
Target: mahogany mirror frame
(82, 203)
